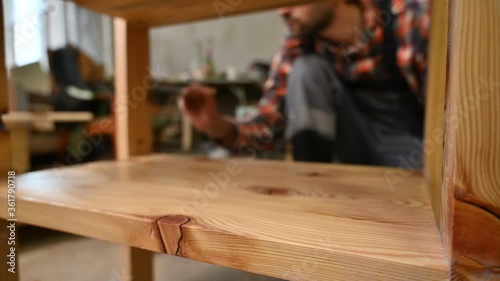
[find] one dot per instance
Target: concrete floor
(53, 256)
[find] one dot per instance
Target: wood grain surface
(133, 130)
(132, 113)
(137, 264)
(288, 220)
(162, 12)
(14, 142)
(5, 139)
(435, 103)
(60, 117)
(471, 217)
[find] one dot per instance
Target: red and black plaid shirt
(362, 60)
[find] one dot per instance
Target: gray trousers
(328, 122)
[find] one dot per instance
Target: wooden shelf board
(16, 117)
(288, 220)
(163, 12)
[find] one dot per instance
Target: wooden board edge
(134, 231)
(219, 9)
(185, 237)
(435, 104)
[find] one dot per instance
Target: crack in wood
(182, 236)
(485, 209)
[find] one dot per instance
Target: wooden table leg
(187, 134)
(133, 125)
(137, 264)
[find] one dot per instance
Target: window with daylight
(27, 30)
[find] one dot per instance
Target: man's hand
(199, 104)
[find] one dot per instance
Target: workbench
(291, 220)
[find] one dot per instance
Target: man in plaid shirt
(347, 85)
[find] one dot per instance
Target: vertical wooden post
(435, 101)
(14, 142)
(471, 205)
(5, 163)
(5, 142)
(134, 131)
(134, 128)
(137, 264)
(187, 134)
(20, 143)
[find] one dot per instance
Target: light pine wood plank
(20, 144)
(6, 152)
(274, 218)
(20, 126)
(472, 151)
(14, 118)
(435, 103)
(134, 128)
(14, 142)
(223, 240)
(4, 100)
(187, 134)
(136, 231)
(19, 135)
(160, 12)
(137, 264)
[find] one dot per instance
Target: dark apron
(381, 122)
